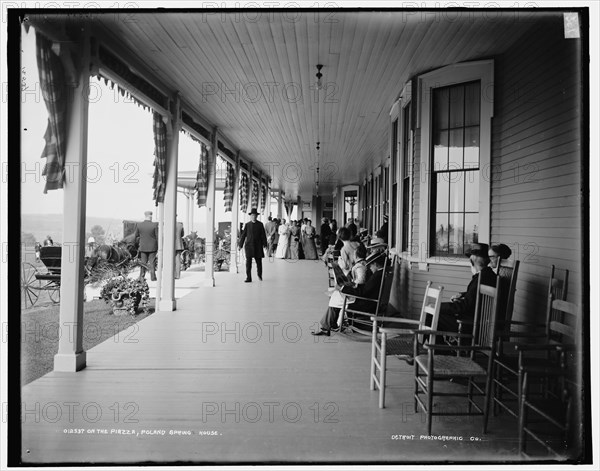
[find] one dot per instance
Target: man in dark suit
(352, 227)
(255, 239)
(462, 305)
(368, 290)
(146, 237)
(324, 235)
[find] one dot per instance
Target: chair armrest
(400, 320)
(456, 348)
(388, 330)
(530, 347)
(441, 332)
(528, 324)
(532, 335)
(348, 295)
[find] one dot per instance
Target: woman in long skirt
(284, 241)
(294, 241)
(309, 246)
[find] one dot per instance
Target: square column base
(167, 305)
(70, 362)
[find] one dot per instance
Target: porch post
(210, 211)
(191, 229)
(280, 205)
(235, 216)
(71, 356)
(168, 302)
(159, 254)
(188, 198)
(299, 210)
(268, 198)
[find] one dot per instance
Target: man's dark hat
(502, 250)
(479, 250)
(253, 211)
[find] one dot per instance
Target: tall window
(455, 168)
(393, 216)
(406, 174)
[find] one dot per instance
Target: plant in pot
(126, 295)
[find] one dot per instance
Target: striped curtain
(255, 191)
(228, 193)
(52, 83)
(243, 192)
(263, 198)
(202, 176)
(160, 158)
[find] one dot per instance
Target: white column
(235, 216)
(210, 211)
(268, 207)
(280, 205)
(188, 204)
(71, 356)
(159, 253)
(167, 302)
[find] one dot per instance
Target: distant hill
(41, 225)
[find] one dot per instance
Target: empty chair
(396, 338)
(544, 413)
(430, 367)
(508, 377)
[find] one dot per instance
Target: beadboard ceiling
(252, 74)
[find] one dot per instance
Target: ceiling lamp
(319, 75)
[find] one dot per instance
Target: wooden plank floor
(237, 368)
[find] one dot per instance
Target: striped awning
(243, 192)
(202, 176)
(255, 194)
(263, 198)
(52, 83)
(228, 193)
(160, 158)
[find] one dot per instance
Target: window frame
(397, 113)
(482, 71)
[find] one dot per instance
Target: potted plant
(126, 295)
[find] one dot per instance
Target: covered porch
(239, 379)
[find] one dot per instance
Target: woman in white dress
(284, 241)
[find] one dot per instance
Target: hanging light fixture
(317, 176)
(319, 75)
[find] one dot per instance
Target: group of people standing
(291, 240)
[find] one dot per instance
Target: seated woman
(348, 250)
(370, 290)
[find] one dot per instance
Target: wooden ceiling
(252, 74)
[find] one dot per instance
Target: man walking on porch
(146, 236)
(255, 238)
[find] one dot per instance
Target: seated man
(462, 306)
(368, 290)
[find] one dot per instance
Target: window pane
(394, 149)
(441, 233)
(455, 157)
(455, 233)
(457, 192)
(472, 147)
(441, 200)
(440, 151)
(471, 228)
(472, 98)
(457, 98)
(472, 191)
(440, 108)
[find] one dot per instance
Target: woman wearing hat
(497, 253)
(283, 243)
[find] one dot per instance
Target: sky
(120, 153)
